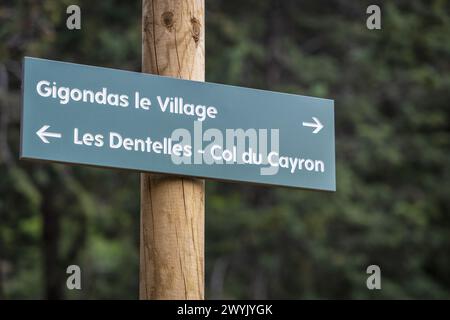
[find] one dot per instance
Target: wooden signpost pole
(172, 208)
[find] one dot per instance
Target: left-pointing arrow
(43, 134)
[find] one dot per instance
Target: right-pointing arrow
(41, 133)
(317, 125)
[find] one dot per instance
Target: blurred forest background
(392, 93)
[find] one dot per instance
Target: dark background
(392, 92)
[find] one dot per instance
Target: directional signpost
(103, 117)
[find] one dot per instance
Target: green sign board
(111, 118)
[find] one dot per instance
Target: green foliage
(391, 89)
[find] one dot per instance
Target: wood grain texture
(172, 208)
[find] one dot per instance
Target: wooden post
(172, 208)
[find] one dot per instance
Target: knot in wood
(147, 23)
(196, 29)
(167, 19)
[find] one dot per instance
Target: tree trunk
(51, 232)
